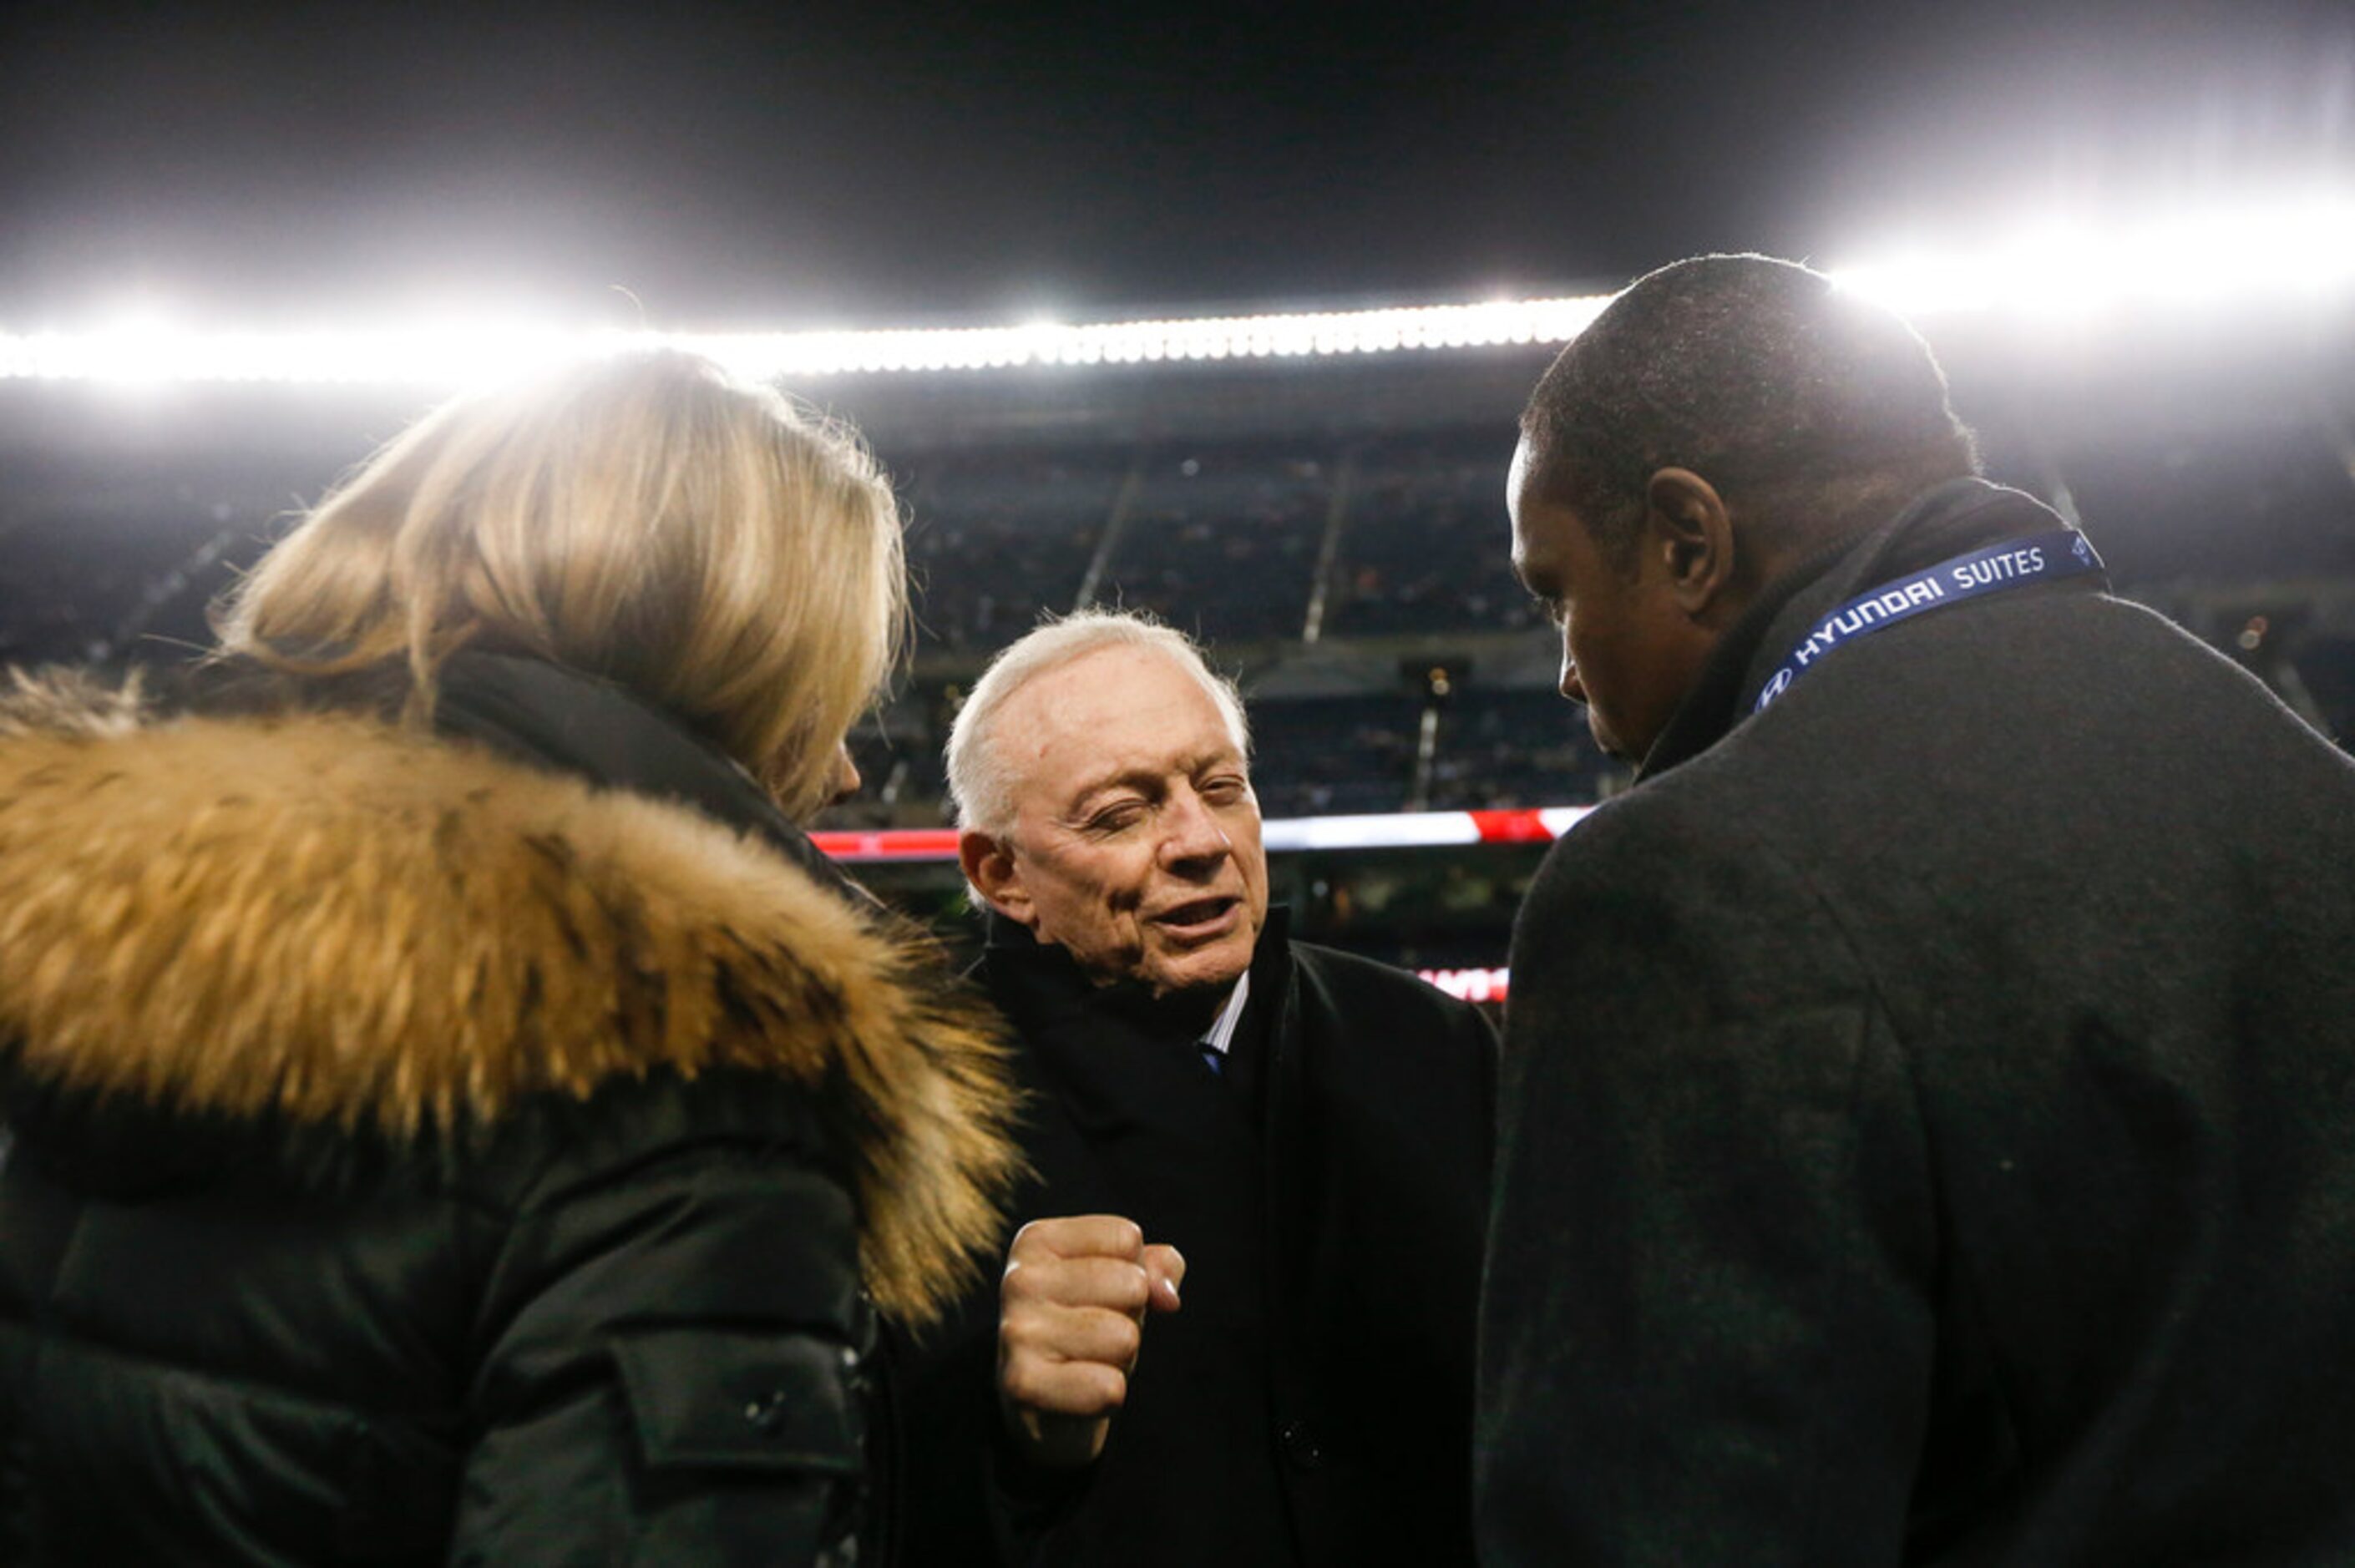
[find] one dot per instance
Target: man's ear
(1689, 534)
(988, 863)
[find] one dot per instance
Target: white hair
(980, 786)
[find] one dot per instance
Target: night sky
(886, 163)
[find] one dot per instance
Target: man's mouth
(1200, 917)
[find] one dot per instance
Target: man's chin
(1218, 965)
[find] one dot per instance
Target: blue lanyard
(2015, 562)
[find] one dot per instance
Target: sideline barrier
(1282, 835)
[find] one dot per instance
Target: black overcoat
(1928, 1124)
(1311, 1402)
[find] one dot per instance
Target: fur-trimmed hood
(327, 921)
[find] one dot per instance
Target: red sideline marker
(1283, 835)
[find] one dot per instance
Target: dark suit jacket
(1928, 1124)
(1311, 1402)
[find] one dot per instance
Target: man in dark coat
(1929, 1128)
(1296, 1136)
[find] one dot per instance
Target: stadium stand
(996, 537)
(1336, 532)
(1335, 755)
(87, 570)
(1282, 514)
(1423, 546)
(2216, 505)
(1504, 748)
(1224, 542)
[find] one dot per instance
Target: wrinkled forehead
(1111, 712)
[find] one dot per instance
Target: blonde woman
(451, 1113)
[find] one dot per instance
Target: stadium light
(463, 353)
(150, 352)
(2298, 249)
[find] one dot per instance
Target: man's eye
(1225, 788)
(1112, 819)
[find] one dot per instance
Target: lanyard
(2015, 562)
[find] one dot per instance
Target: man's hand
(1070, 1318)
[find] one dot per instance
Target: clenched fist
(1071, 1321)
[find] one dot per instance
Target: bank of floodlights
(2300, 252)
(439, 354)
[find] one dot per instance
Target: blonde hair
(981, 786)
(646, 519)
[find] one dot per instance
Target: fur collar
(337, 922)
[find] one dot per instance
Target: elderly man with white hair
(1236, 1327)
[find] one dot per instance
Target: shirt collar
(1222, 1031)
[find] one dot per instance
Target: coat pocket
(749, 1445)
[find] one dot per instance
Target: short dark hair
(1814, 413)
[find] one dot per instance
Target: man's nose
(1569, 684)
(1195, 834)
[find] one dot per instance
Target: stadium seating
(1336, 756)
(1224, 542)
(994, 538)
(2211, 519)
(2269, 503)
(1424, 549)
(1502, 748)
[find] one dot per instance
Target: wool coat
(426, 1150)
(1929, 1107)
(1310, 1403)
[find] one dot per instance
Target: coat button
(767, 1415)
(1300, 1444)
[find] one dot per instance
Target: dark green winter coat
(421, 1154)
